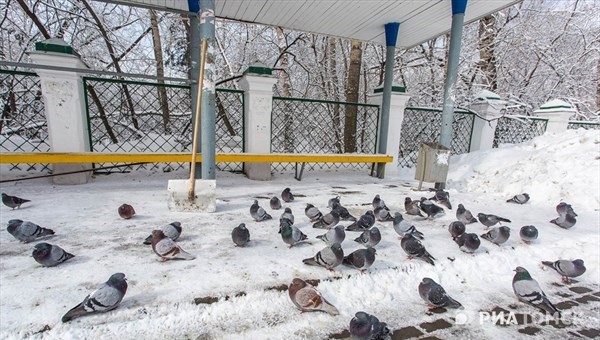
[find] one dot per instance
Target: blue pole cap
(391, 33)
(459, 6)
(194, 5)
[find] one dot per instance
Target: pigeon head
(242, 226)
(360, 325)
(296, 285)
(522, 274)
(370, 212)
(286, 190)
(116, 277)
(126, 211)
(256, 202)
(41, 250)
(473, 237)
(336, 247)
(308, 205)
(157, 235)
(118, 281)
(14, 222)
(371, 251)
(288, 210)
(377, 197)
(4, 195)
(480, 215)
(460, 206)
(578, 263)
(407, 200)
(427, 281)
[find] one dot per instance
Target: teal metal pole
(207, 120)
(194, 71)
(391, 35)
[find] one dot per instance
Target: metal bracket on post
(297, 175)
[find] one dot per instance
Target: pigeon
(126, 211)
(497, 235)
(464, 215)
(26, 231)
(383, 214)
(360, 259)
(258, 213)
(343, 212)
(171, 230)
(414, 248)
(519, 199)
(312, 213)
(528, 233)
(442, 197)
(167, 249)
(240, 235)
(430, 209)
(435, 295)
(328, 257)
(292, 235)
(287, 215)
(528, 290)
(367, 327)
(365, 222)
(327, 221)
(107, 297)
(468, 242)
(563, 208)
(567, 269)
(412, 207)
(287, 195)
(489, 220)
(308, 299)
(379, 203)
(275, 203)
(333, 235)
(403, 227)
(566, 221)
(369, 238)
(456, 228)
(13, 201)
(49, 255)
(333, 200)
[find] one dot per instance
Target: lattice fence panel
(518, 129)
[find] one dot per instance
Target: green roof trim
(263, 70)
(556, 107)
(44, 47)
(399, 89)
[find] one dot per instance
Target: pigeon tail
(548, 263)
(148, 240)
(45, 232)
(487, 236)
(329, 308)
(428, 258)
(453, 303)
(502, 219)
(548, 307)
(321, 237)
(416, 234)
(68, 256)
(75, 312)
(310, 261)
(185, 255)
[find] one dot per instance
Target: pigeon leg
(331, 270)
(410, 257)
(566, 279)
(162, 259)
(290, 246)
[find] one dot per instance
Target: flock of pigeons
(305, 296)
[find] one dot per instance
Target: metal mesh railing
(422, 125)
(516, 129)
(132, 116)
(574, 124)
(317, 126)
(23, 125)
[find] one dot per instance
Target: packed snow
(160, 303)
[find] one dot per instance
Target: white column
(257, 84)
(558, 113)
(487, 105)
(64, 101)
(398, 102)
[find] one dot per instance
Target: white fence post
(398, 103)
(257, 84)
(558, 113)
(64, 102)
(487, 105)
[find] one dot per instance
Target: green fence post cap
(396, 88)
(259, 69)
(56, 45)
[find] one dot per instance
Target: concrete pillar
(398, 100)
(257, 84)
(489, 106)
(558, 113)
(64, 101)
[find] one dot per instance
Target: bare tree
(160, 71)
(352, 92)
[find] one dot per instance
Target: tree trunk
(34, 18)
(333, 90)
(598, 85)
(283, 83)
(487, 63)
(160, 71)
(352, 89)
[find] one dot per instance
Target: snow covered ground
(247, 282)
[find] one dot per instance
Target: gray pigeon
(343, 212)
(13, 201)
(464, 215)
(414, 248)
(403, 227)
(360, 259)
(275, 203)
(49, 255)
(379, 203)
(327, 221)
(171, 230)
(490, 220)
(287, 215)
(287, 195)
(563, 208)
(528, 233)
(468, 242)
(519, 199)
(26, 231)
(456, 228)
(383, 214)
(292, 235)
(528, 290)
(364, 326)
(126, 211)
(435, 295)
(365, 222)
(369, 238)
(167, 249)
(328, 257)
(430, 209)
(312, 213)
(333, 235)
(258, 213)
(567, 269)
(442, 197)
(333, 200)
(566, 221)
(308, 299)
(107, 297)
(412, 207)
(497, 235)
(240, 235)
